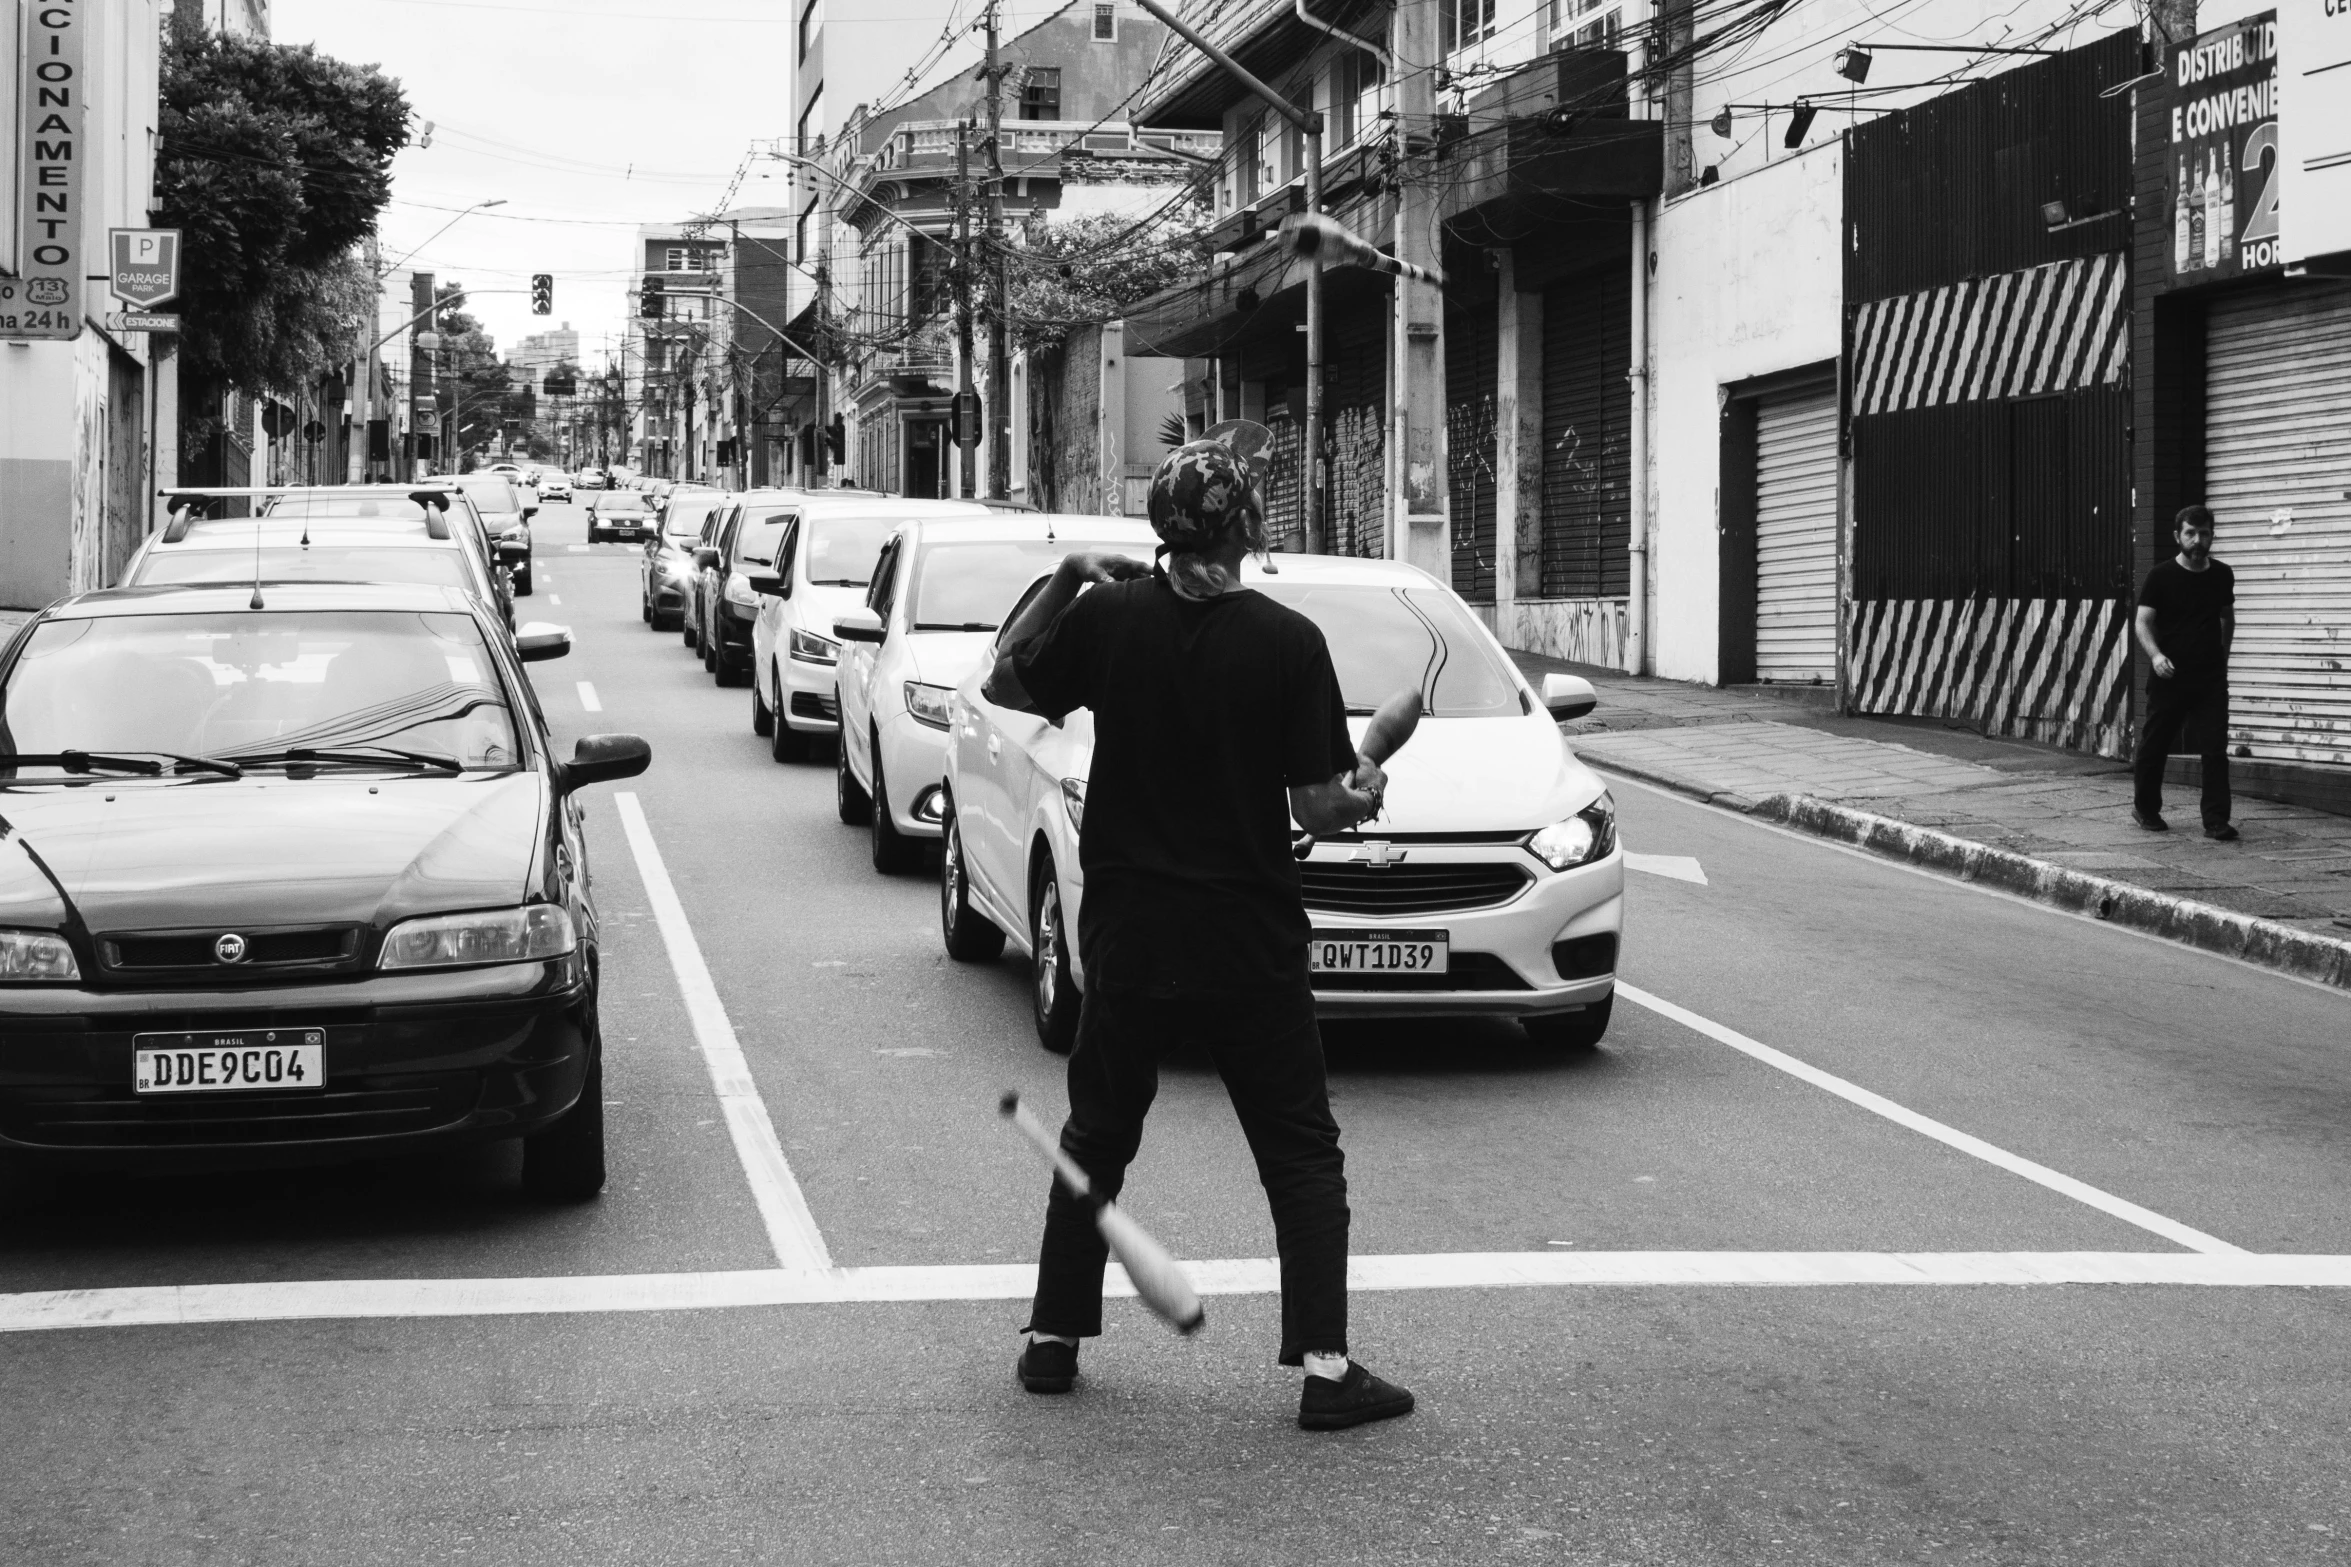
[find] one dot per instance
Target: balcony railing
(932, 142)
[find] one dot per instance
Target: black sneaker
(2224, 833)
(2150, 821)
(1358, 1397)
(1047, 1367)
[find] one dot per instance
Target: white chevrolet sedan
(940, 590)
(1492, 884)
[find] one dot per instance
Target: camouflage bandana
(1201, 494)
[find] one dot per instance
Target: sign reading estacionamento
(2221, 158)
(44, 298)
(146, 266)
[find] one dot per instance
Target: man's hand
(1332, 807)
(2164, 667)
(1103, 566)
(1370, 781)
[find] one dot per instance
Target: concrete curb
(2202, 925)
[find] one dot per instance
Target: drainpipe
(1636, 644)
(1387, 61)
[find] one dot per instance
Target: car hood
(946, 658)
(1457, 775)
(268, 850)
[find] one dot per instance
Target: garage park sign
(44, 298)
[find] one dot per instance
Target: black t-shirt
(2191, 611)
(1206, 712)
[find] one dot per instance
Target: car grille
(1355, 887)
(117, 1118)
(1464, 971)
(187, 955)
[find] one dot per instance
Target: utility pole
(969, 449)
(1417, 500)
(422, 393)
(999, 372)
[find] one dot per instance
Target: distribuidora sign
(44, 299)
(2221, 159)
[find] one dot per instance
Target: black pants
(2199, 715)
(1269, 1053)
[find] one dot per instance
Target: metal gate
(2277, 442)
(1587, 436)
(1472, 365)
(1796, 537)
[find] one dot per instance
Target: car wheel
(1570, 1032)
(851, 802)
(565, 1161)
(709, 649)
(644, 605)
(729, 669)
(1053, 993)
(685, 627)
(594, 537)
(970, 935)
(893, 851)
(763, 717)
(785, 743)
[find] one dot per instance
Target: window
(1461, 23)
(812, 124)
(811, 18)
(690, 258)
(800, 233)
(1247, 163)
(1355, 86)
(1105, 24)
(1040, 93)
(1584, 24)
(926, 269)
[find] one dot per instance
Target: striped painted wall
(2049, 328)
(2052, 670)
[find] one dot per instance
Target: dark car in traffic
(292, 875)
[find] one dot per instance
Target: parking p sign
(146, 270)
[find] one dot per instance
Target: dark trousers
(2199, 715)
(1269, 1053)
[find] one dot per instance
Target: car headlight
(1073, 800)
(27, 955)
(1582, 838)
(810, 648)
(929, 704)
(530, 934)
(738, 591)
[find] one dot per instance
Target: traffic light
(542, 293)
(649, 300)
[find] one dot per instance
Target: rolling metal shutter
(1355, 377)
(1587, 435)
(1796, 537)
(1472, 364)
(2277, 438)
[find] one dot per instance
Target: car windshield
(840, 551)
(1386, 640)
(241, 684)
(439, 567)
(971, 586)
(492, 493)
(760, 531)
(685, 518)
(620, 501)
(383, 508)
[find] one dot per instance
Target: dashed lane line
(1679, 867)
(589, 699)
(1926, 1126)
(168, 1305)
(791, 1228)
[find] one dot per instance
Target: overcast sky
(588, 116)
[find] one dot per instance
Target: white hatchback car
(823, 570)
(1492, 884)
(941, 588)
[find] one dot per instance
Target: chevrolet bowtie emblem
(1378, 854)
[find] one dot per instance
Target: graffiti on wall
(1358, 483)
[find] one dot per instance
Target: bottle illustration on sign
(2227, 220)
(2196, 218)
(2179, 221)
(2213, 220)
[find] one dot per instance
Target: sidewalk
(1758, 751)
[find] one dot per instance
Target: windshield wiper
(969, 625)
(133, 762)
(359, 755)
(834, 582)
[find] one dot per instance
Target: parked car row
(1491, 885)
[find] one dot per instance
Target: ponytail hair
(1194, 573)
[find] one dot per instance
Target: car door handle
(995, 745)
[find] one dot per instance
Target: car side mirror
(1568, 696)
(766, 582)
(528, 512)
(859, 625)
(602, 759)
(539, 641)
(706, 558)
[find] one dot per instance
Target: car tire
(763, 717)
(564, 1161)
(595, 536)
(893, 852)
(785, 743)
(971, 936)
(644, 606)
(709, 650)
(685, 628)
(1570, 1032)
(729, 670)
(1053, 990)
(850, 801)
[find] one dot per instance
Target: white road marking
(589, 699)
(554, 599)
(162, 1305)
(1926, 1126)
(791, 1228)
(1681, 867)
(577, 549)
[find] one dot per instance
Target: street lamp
(479, 206)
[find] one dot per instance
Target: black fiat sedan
(289, 874)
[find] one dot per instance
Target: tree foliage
(1093, 268)
(274, 162)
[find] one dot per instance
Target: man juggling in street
(1217, 719)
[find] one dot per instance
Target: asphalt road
(2054, 1095)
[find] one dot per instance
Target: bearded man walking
(2186, 620)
